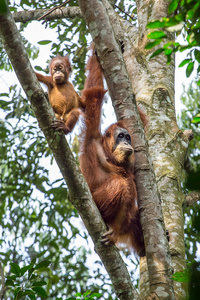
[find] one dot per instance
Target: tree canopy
(46, 252)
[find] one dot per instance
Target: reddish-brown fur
(62, 96)
(109, 174)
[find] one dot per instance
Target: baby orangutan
(62, 96)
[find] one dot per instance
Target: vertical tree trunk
(153, 85)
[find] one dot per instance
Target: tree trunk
(153, 86)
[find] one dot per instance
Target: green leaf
(192, 182)
(26, 268)
(168, 59)
(189, 69)
(38, 68)
(3, 7)
(78, 295)
(39, 291)
(191, 39)
(45, 42)
(86, 293)
(183, 276)
(157, 52)
(15, 269)
(152, 44)
(172, 6)
(9, 282)
(95, 295)
(31, 297)
(12, 277)
(168, 51)
(185, 47)
(190, 13)
(197, 55)
(18, 292)
(184, 62)
(29, 292)
(196, 119)
(43, 264)
(168, 22)
(195, 26)
(156, 35)
(39, 283)
(155, 24)
(168, 45)
(27, 2)
(180, 17)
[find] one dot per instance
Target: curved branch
(54, 8)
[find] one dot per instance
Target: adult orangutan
(107, 163)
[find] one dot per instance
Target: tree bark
(153, 85)
(59, 13)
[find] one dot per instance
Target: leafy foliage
(25, 281)
(184, 19)
(190, 99)
(30, 285)
(86, 296)
(38, 223)
(194, 268)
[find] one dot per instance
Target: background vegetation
(45, 251)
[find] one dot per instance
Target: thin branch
(57, 7)
(124, 12)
